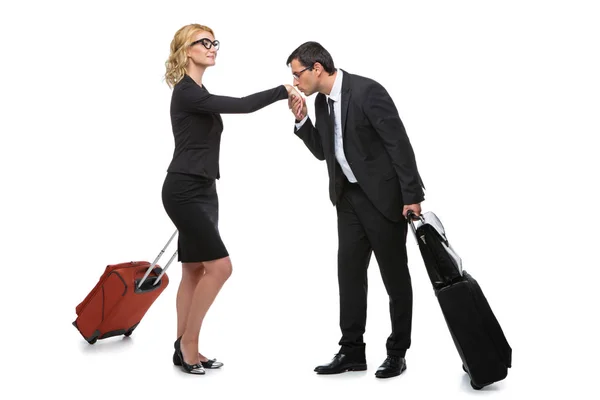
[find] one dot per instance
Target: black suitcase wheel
(130, 330)
(94, 340)
(476, 387)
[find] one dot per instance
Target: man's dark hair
(311, 52)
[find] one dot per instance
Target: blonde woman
(189, 193)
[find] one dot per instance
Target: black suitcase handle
(412, 217)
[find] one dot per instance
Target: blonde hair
(178, 59)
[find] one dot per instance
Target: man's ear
(318, 68)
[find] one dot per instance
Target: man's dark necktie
(337, 170)
(331, 115)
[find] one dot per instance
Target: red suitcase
(121, 298)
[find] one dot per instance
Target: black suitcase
(479, 339)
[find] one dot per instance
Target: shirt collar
(336, 90)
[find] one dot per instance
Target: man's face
(304, 77)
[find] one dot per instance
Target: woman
(189, 194)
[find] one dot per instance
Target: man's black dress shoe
(342, 363)
(392, 366)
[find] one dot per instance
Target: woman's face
(198, 52)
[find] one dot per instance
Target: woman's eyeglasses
(206, 43)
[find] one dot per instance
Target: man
(373, 182)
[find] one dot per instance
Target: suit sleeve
(196, 99)
(383, 116)
(312, 138)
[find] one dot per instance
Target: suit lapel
(346, 94)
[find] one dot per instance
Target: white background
(500, 101)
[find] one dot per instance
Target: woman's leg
(190, 276)
(216, 272)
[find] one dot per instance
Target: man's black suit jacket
(376, 146)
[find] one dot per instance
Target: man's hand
(296, 103)
(416, 208)
(298, 106)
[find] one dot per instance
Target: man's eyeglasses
(296, 75)
(206, 43)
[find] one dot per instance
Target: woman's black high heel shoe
(196, 369)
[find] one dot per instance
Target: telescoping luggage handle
(156, 260)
